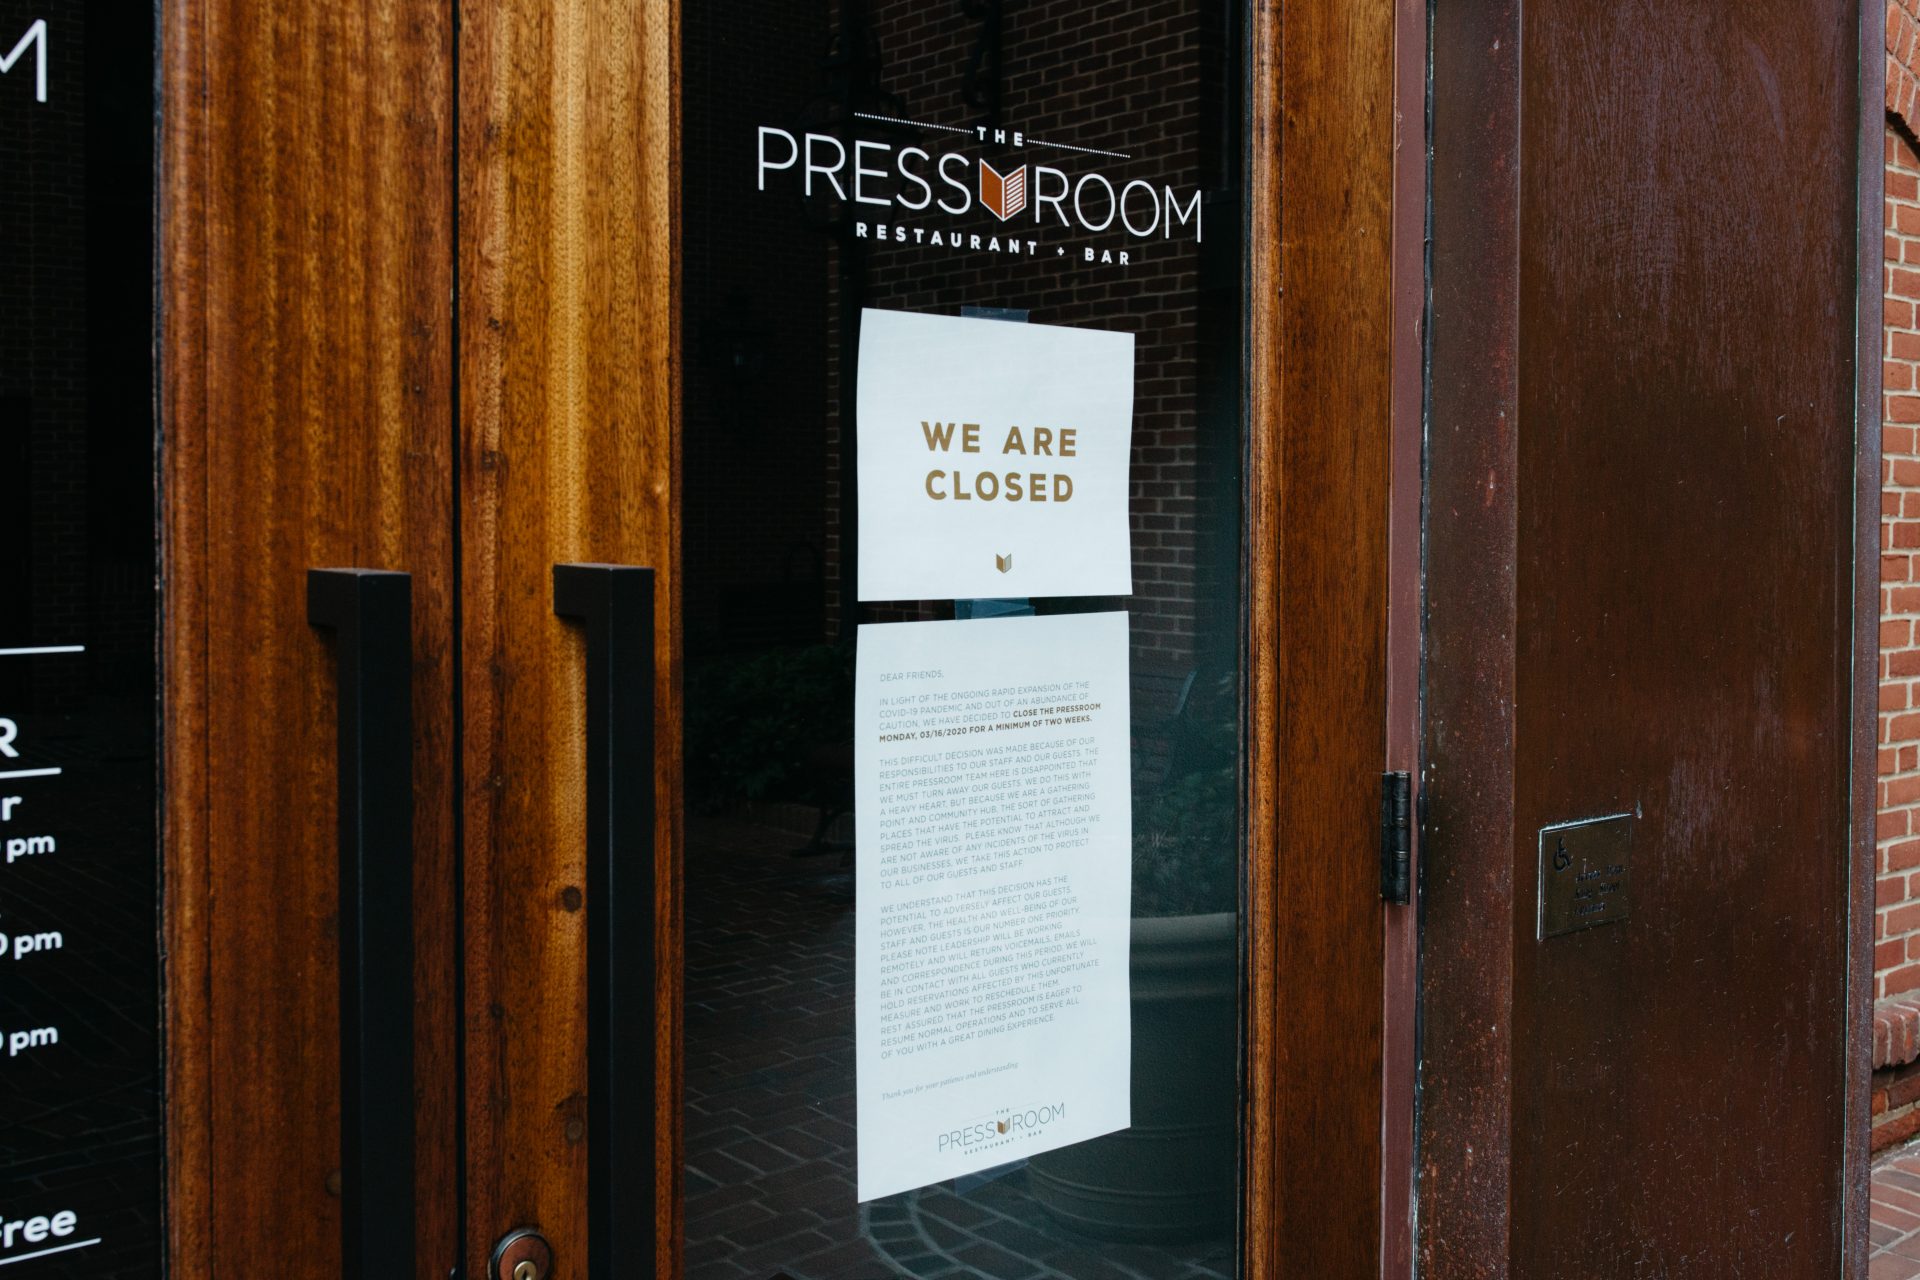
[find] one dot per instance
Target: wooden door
(596, 175)
(598, 343)
(306, 356)
(1654, 471)
(321, 197)
(427, 308)
(568, 452)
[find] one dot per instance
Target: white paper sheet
(993, 458)
(993, 810)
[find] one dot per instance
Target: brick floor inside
(770, 1103)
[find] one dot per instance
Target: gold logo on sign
(1003, 563)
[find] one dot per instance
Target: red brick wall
(1903, 60)
(1896, 1046)
(1897, 925)
(1897, 939)
(1070, 74)
(762, 451)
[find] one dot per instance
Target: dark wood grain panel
(307, 414)
(1684, 631)
(1646, 484)
(1472, 463)
(1324, 361)
(182, 370)
(568, 452)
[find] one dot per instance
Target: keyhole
(521, 1254)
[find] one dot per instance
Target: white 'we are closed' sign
(993, 458)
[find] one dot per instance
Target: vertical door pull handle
(369, 613)
(614, 605)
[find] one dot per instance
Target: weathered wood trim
(1864, 762)
(305, 391)
(1321, 387)
(1472, 469)
(568, 451)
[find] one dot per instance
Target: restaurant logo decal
(1003, 194)
(913, 195)
(1001, 1128)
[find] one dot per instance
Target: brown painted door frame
(1400, 990)
(1331, 1190)
(1518, 730)
(326, 401)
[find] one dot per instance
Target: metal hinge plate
(1396, 838)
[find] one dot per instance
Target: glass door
(963, 456)
(911, 348)
(80, 1013)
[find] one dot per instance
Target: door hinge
(1396, 837)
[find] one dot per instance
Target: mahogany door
(1654, 470)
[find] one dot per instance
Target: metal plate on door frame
(1586, 868)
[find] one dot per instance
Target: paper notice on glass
(994, 889)
(993, 458)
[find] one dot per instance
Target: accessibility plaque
(1586, 868)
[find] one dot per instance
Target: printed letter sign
(994, 891)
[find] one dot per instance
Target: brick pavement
(1896, 1216)
(770, 1104)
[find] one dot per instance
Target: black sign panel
(79, 1004)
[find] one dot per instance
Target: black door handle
(370, 614)
(614, 604)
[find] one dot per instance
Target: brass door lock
(521, 1254)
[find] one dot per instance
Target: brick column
(1896, 1050)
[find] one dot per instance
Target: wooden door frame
(1405, 630)
(1869, 315)
(1335, 293)
(1337, 210)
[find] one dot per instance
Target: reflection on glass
(79, 999)
(1120, 120)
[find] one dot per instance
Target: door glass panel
(1078, 165)
(79, 981)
